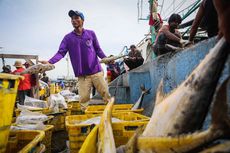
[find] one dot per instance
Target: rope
(169, 6)
(177, 8)
(186, 8)
(138, 11)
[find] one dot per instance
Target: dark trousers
(160, 48)
(22, 94)
(132, 64)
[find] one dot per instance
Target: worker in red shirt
(24, 87)
(33, 80)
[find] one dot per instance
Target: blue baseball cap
(76, 13)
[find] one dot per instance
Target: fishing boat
(172, 68)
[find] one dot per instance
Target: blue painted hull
(172, 68)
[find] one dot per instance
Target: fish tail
(220, 118)
(145, 91)
(142, 87)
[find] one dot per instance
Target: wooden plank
(19, 56)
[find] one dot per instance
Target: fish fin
(220, 118)
(106, 138)
(147, 91)
(160, 94)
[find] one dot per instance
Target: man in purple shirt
(84, 50)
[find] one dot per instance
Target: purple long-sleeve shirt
(83, 51)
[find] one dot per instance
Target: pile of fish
(38, 68)
(177, 118)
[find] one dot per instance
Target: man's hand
(44, 62)
(190, 43)
(105, 60)
(183, 42)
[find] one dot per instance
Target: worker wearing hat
(84, 50)
(18, 64)
(24, 87)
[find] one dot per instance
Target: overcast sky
(36, 27)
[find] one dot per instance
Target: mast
(154, 17)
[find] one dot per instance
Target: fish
(106, 60)
(185, 108)
(38, 68)
(106, 143)
(29, 61)
(144, 92)
(219, 128)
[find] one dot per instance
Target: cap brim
(72, 13)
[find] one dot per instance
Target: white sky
(37, 27)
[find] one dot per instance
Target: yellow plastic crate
(25, 141)
(98, 109)
(122, 130)
(90, 143)
(8, 91)
(58, 120)
(74, 108)
(74, 104)
(42, 92)
(52, 88)
(48, 137)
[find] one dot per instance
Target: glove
(104, 60)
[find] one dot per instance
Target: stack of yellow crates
(122, 130)
(74, 108)
(8, 90)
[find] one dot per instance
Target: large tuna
(219, 128)
(106, 60)
(184, 109)
(106, 142)
(219, 148)
(38, 68)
